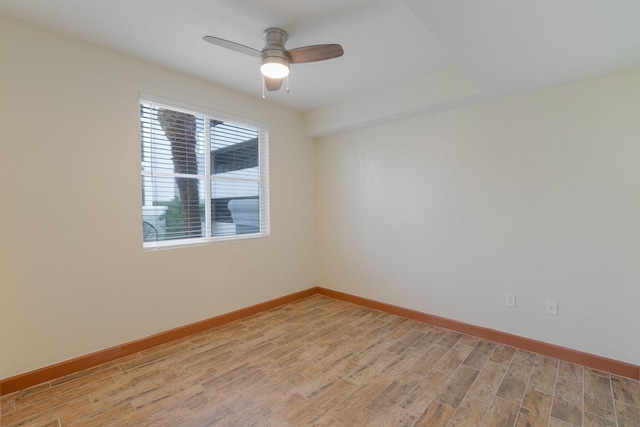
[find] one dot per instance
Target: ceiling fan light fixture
(274, 67)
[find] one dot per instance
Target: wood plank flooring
(320, 361)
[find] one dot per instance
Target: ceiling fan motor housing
(274, 51)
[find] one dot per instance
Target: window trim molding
(264, 186)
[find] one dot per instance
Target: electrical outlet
(510, 300)
(294, 270)
(552, 307)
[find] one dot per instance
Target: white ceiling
(502, 46)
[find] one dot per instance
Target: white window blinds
(204, 178)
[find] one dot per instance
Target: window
(204, 176)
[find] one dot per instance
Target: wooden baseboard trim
(48, 373)
(586, 359)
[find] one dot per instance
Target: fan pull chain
(264, 84)
(287, 83)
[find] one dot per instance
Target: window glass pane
(235, 190)
(183, 152)
(172, 208)
(173, 145)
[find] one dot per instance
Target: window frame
(263, 174)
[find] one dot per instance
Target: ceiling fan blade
(234, 46)
(318, 52)
(273, 84)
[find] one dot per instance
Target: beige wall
(538, 195)
(74, 278)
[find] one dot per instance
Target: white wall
(73, 276)
(538, 195)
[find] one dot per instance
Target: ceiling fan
(275, 58)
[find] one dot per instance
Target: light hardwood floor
(321, 361)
